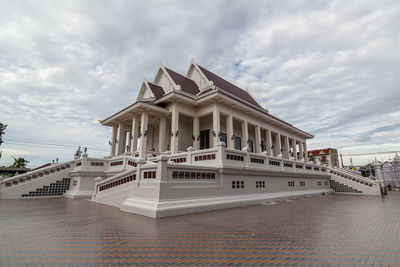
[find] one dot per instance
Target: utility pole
(341, 158)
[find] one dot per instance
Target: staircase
(341, 188)
(343, 181)
(54, 189)
(115, 190)
(51, 181)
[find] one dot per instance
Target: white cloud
(328, 67)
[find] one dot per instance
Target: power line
(371, 153)
(49, 145)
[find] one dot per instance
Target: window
(260, 184)
(238, 143)
(302, 183)
(326, 183)
(291, 183)
(205, 139)
(237, 184)
(319, 183)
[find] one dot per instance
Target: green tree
(2, 131)
(19, 162)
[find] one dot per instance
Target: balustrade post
(162, 171)
(139, 164)
(265, 154)
(84, 160)
(220, 155)
(247, 156)
(190, 150)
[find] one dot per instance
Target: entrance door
(251, 145)
(238, 143)
(205, 139)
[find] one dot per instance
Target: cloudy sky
(329, 67)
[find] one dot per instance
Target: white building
(189, 144)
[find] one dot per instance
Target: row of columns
(257, 146)
(119, 134)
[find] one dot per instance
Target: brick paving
(331, 230)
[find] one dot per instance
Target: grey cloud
(328, 67)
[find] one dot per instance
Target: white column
(134, 133)
(245, 134)
(278, 145)
(301, 150)
(143, 138)
(174, 129)
(113, 139)
(120, 146)
(161, 134)
(124, 140)
(295, 149)
(216, 124)
(305, 150)
(229, 131)
(258, 139)
(268, 139)
(196, 132)
(286, 147)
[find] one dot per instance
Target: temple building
(191, 143)
(198, 110)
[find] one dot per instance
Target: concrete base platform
(158, 209)
(78, 194)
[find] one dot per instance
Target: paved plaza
(329, 230)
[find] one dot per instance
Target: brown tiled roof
(157, 90)
(229, 87)
(318, 151)
(186, 84)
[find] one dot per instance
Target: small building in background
(327, 156)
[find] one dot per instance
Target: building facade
(328, 156)
(191, 143)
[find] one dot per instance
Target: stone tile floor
(330, 230)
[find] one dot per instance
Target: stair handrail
(22, 175)
(114, 177)
(367, 179)
(356, 176)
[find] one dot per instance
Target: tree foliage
(19, 162)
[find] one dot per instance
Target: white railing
(249, 159)
(36, 174)
(115, 178)
(353, 177)
(146, 172)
